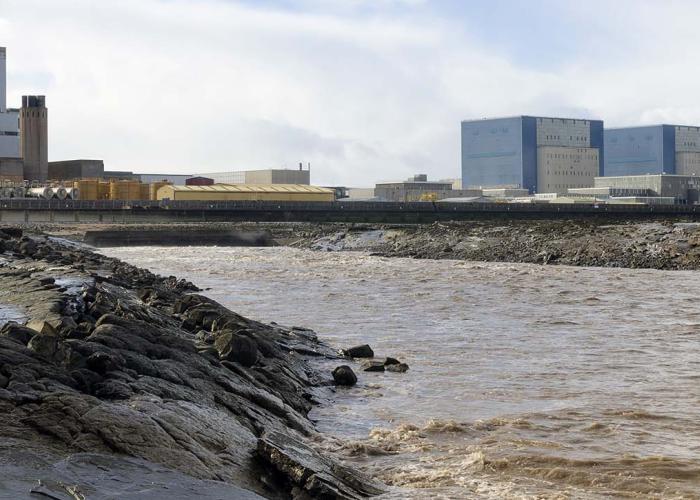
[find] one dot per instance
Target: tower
(3, 80)
(33, 124)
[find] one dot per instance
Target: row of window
(569, 156)
(8, 132)
(578, 138)
(569, 173)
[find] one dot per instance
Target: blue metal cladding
(492, 152)
(638, 151)
(598, 141)
(529, 152)
(669, 151)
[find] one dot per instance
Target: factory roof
(254, 188)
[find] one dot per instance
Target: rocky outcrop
(658, 244)
(117, 362)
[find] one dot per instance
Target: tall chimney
(34, 137)
(3, 80)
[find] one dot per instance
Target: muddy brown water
(525, 382)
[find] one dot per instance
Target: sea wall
(136, 376)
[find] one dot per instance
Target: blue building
(537, 153)
(655, 149)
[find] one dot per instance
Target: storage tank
(103, 190)
(88, 189)
(73, 193)
(20, 192)
(133, 190)
(155, 186)
(59, 192)
(40, 192)
(119, 190)
(144, 192)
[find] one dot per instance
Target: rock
(15, 331)
(316, 475)
(398, 368)
(391, 361)
(101, 362)
(28, 247)
(360, 351)
(373, 366)
(234, 347)
(47, 280)
(44, 345)
(41, 326)
(343, 375)
(12, 232)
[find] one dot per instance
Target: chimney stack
(3, 80)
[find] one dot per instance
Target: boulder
(397, 368)
(44, 345)
(41, 326)
(373, 366)
(12, 232)
(391, 361)
(360, 351)
(343, 375)
(28, 247)
(234, 347)
(15, 331)
(48, 280)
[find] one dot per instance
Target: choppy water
(525, 381)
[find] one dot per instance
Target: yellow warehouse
(246, 192)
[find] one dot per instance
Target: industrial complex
(519, 159)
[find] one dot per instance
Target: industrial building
(177, 179)
(266, 176)
(419, 188)
(67, 170)
(9, 118)
(655, 149)
(246, 192)
(535, 153)
(34, 137)
(683, 189)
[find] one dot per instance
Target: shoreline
(117, 364)
(666, 244)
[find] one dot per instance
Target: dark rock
(373, 366)
(44, 345)
(343, 375)
(391, 361)
(317, 476)
(400, 368)
(15, 331)
(28, 247)
(101, 362)
(112, 389)
(47, 280)
(360, 351)
(234, 347)
(12, 232)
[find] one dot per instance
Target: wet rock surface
(343, 375)
(672, 243)
(120, 363)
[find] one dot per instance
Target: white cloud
(184, 86)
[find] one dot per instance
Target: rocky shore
(662, 244)
(117, 383)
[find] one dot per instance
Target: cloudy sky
(362, 89)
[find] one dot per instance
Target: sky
(363, 90)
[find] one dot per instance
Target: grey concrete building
(264, 176)
(9, 118)
(76, 169)
(683, 188)
(34, 137)
(420, 188)
(539, 154)
(175, 179)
